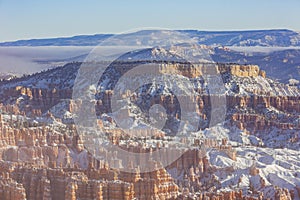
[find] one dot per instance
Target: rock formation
(43, 157)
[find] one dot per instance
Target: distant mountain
(81, 40)
(266, 38)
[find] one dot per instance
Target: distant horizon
(111, 33)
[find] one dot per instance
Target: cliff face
(38, 98)
(242, 70)
(40, 101)
(69, 184)
(198, 69)
(259, 121)
(10, 189)
(255, 121)
(43, 164)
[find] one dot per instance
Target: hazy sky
(23, 19)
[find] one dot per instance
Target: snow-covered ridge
(63, 77)
(278, 37)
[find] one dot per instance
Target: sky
(26, 19)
